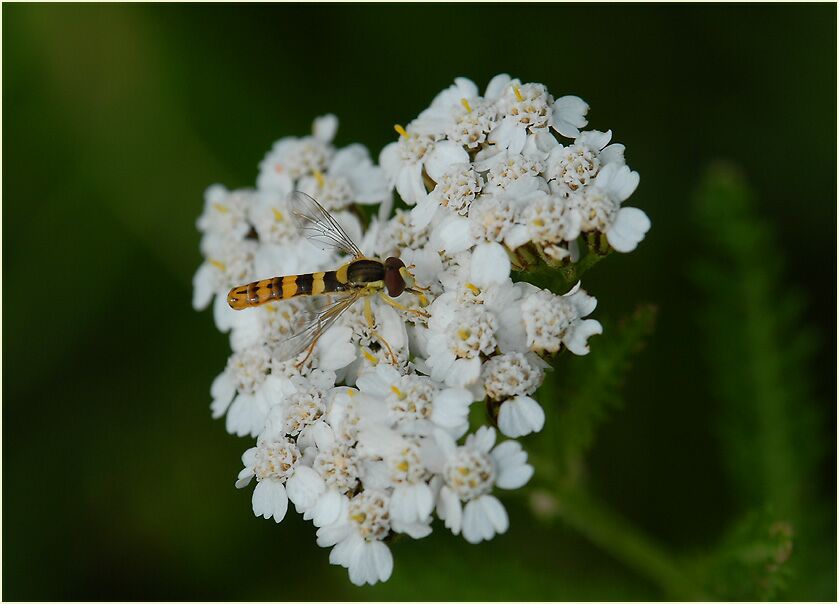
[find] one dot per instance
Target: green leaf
(757, 349)
(758, 353)
(752, 561)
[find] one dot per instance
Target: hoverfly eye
(393, 281)
(394, 263)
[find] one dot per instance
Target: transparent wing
(320, 316)
(319, 227)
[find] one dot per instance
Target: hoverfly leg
(309, 352)
(416, 311)
(384, 343)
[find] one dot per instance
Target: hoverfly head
(397, 277)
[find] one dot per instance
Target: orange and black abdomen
(282, 288)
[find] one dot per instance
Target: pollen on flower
(546, 319)
(457, 188)
(406, 467)
(249, 367)
(473, 332)
(473, 122)
(492, 218)
(275, 459)
(509, 169)
(303, 409)
(597, 210)
(332, 192)
(573, 167)
(369, 511)
(338, 467)
(509, 375)
(413, 401)
(530, 105)
(551, 220)
(469, 473)
(401, 131)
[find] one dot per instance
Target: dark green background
(116, 482)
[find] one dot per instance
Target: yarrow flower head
(357, 388)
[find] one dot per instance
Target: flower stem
(612, 533)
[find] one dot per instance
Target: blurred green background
(117, 484)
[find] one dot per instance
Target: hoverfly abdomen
(282, 288)
(255, 293)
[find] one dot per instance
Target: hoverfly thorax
(395, 281)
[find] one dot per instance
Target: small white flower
(224, 217)
(357, 538)
(456, 189)
(350, 178)
(552, 222)
(273, 463)
(469, 473)
(403, 163)
(291, 158)
(552, 321)
(600, 208)
(573, 167)
(513, 374)
(415, 404)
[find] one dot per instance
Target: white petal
(327, 509)
(568, 115)
(476, 525)
(450, 510)
(496, 513)
(424, 211)
(304, 487)
(325, 127)
(383, 560)
(483, 439)
(520, 416)
(202, 286)
(444, 154)
(223, 314)
(576, 338)
(451, 407)
(244, 478)
(346, 545)
(453, 235)
(334, 348)
(490, 264)
(511, 461)
(594, 138)
(463, 372)
(269, 499)
(247, 415)
(409, 183)
(222, 390)
(496, 86)
(629, 228)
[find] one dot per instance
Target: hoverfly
(359, 278)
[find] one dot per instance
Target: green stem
(612, 533)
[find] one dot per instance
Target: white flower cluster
(366, 435)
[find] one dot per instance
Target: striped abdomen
(282, 288)
(354, 274)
